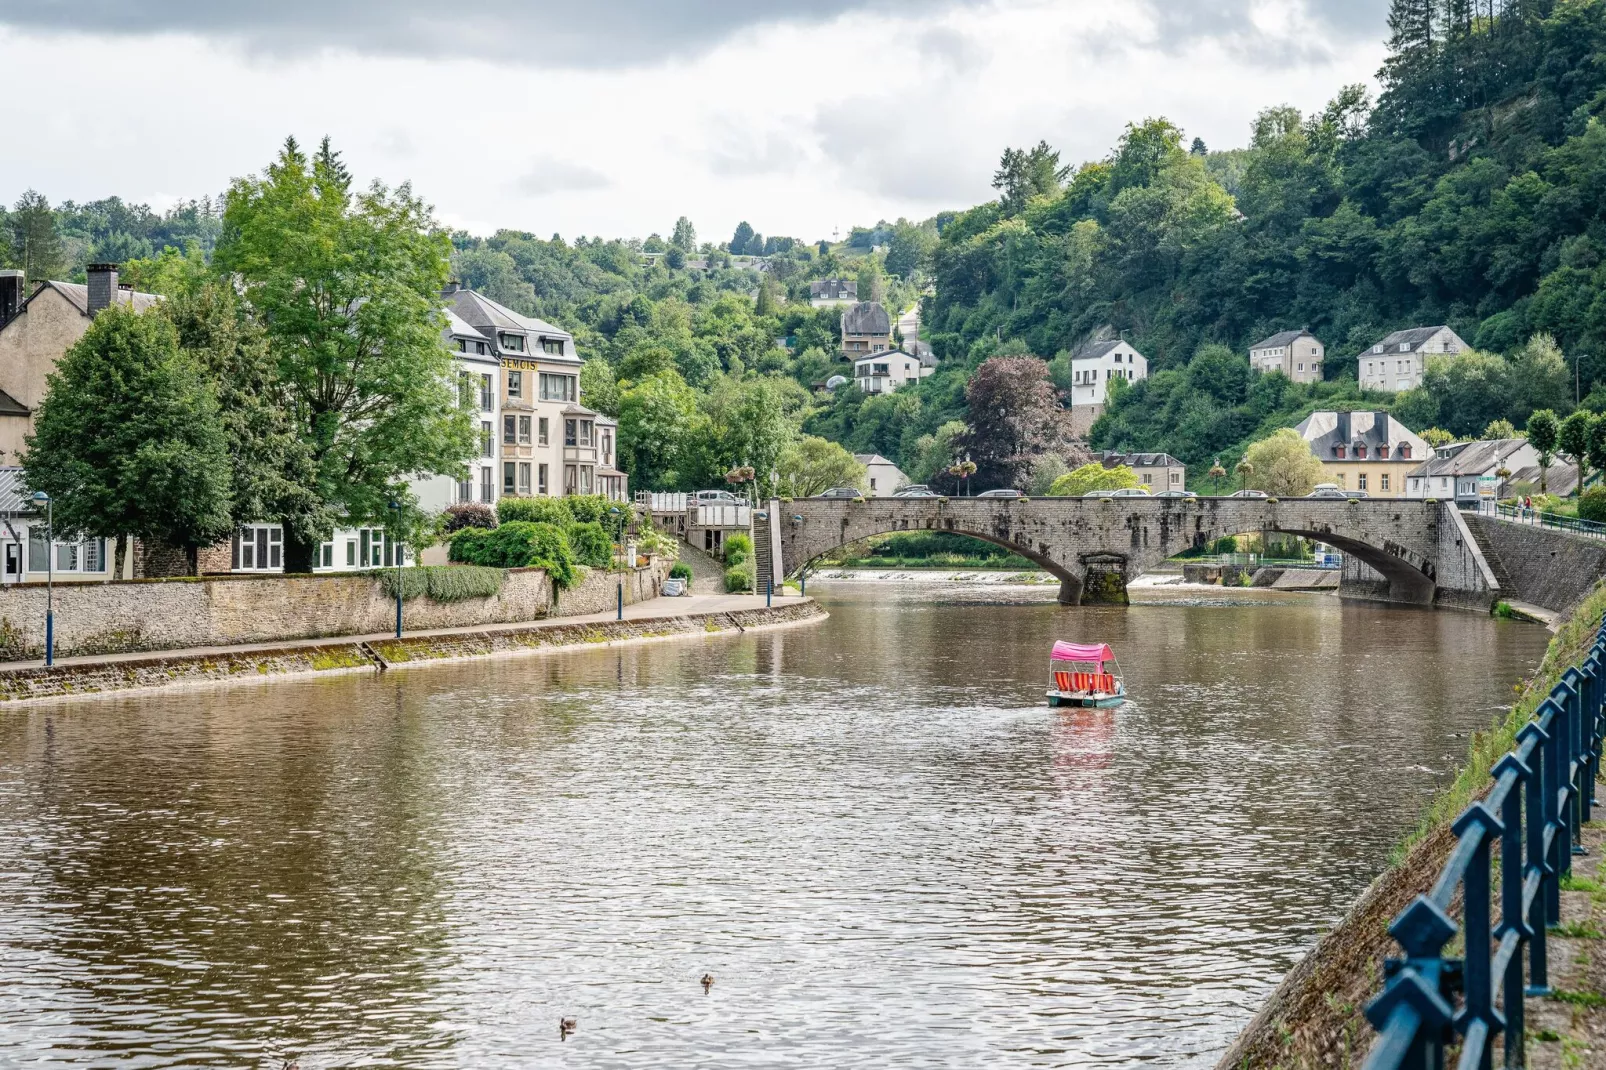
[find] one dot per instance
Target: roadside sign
(1488, 486)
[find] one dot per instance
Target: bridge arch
(1095, 546)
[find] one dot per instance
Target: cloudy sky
(613, 117)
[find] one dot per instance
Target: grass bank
(1315, 1017)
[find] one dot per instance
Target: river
(871, 831)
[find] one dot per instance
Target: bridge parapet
(1402, 542)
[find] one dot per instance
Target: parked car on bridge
(1177, 494)
(1333, 490)
(1250, 494)
(1130, 492)
(1001, 492)
(915, 490)
(716, 497)
(1099, 494)
(841, 492)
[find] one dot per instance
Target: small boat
(1085, 675)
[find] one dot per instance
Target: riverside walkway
(690, 606)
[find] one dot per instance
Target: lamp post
(50, 575)
(395, 508)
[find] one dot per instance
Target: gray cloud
(560, 176)
(555, 33)
(569, 34)
(902, 161)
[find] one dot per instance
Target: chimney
(11, 281)
(450, 288)
(102, 287)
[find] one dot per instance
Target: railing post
(1553, 718)
(1422, 929)
(1511, 919)
(1533, 794)
(1577, 768)
(1476, 921)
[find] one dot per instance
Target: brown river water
(873, 833)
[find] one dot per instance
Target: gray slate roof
(13, 500)
(1413, 338)
(1113, 459)
(77, 294)
(1559, 478)
(1094, 350)
(488, 317)
(1470, 458)
(1324, 430)
(10, 406)
(1281, 338)
(834, 288)
(866, 317)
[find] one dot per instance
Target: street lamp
(395, 508)
(50, 575)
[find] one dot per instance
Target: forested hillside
(1473, 193)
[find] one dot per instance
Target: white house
(886, 371)
(1470, 472)
(1398, 361)
(1297, 354)
(1093, 367)
(884, 477)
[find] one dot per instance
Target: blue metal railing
(1543, 793)
(1554, 521)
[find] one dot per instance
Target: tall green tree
(1544, 435)
(129, 440)
(740, 240)
(36, 247)
(812, 464)
(684, 236)
(1573, 439)
(1026, 173)
(656, 420)
(347, 286)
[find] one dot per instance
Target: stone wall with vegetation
(84, 680)
(149, 615)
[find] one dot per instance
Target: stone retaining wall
(1548, 568)
(149, 615)
(80, 681)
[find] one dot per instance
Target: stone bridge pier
(1399, 550)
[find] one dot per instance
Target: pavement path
(1568, 1030)
(691, 605)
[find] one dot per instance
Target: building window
(326, 555)
(553, 346)
(462, 345)
(487, 393)
(465, 390)
(569, 477)
(487, 440)
(587, 433)
(513, 343)
(465, 490)
(585, 479)
(509, 435)
(1360, 453)
(1338, 451)
(508, 472)
(559, 387)
(570, 435)
(1383, 454)
(1360, 481)
(479, 348)
(541, 430)
(261, 548)
(1405, 451)
(515, 384)
(486, 493)
(541, 474)
(524, 477)
(1147, 478)
(1176, 477)
(1383, 482)
(88, 555)
(607, 447)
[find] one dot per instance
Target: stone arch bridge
(1399, 550)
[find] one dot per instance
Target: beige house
(1399, 360)
(1156, 472)
(1297, 354)
(1369, 451)
(882, 475)
(866, 328)
(36, 329)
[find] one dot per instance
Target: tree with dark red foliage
(1015, 419)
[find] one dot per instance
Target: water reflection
(872, 832)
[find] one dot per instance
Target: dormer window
(1405, 451)
(1377, 348)
(1338, 451)
(1405, 347)
(553, 346)
(1382, 453)
(512, 343)
(1360, 452)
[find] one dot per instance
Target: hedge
(738, 548)
(535, 511)
(591, 545)
(518, 544)
(443, 583)
(739, 578)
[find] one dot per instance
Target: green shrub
(535, 511)
(738, 548)
(681, 571)
(591, 545)
(517, 544)
(443, 583)
(1592, 505)
(590, 507)
(739, 578)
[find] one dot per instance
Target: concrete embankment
(1315, 1017)
(663, 618)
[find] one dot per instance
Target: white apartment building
(886, 371)
(1397, 362)
(1297, 354)
(1093, 367)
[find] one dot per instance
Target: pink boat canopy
(1064, 651)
